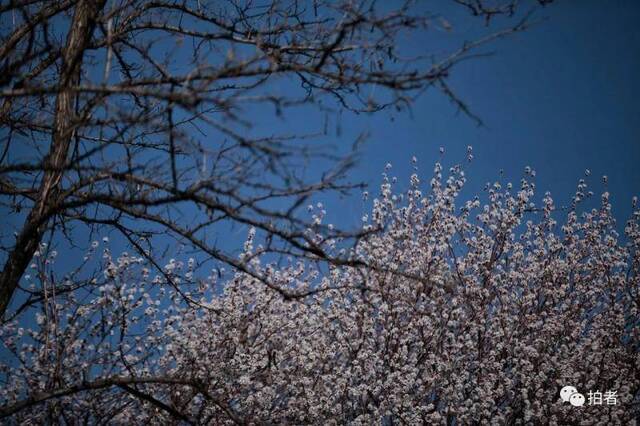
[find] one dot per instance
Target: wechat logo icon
(571, 395)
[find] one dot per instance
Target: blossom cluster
(443, 313)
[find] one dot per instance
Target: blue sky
(560, 97)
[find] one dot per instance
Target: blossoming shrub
(445, 313)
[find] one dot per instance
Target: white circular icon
(577, 399)
(566, 392)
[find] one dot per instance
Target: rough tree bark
(28, 240)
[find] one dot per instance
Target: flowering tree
(454, 313)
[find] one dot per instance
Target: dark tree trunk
(29, 238)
